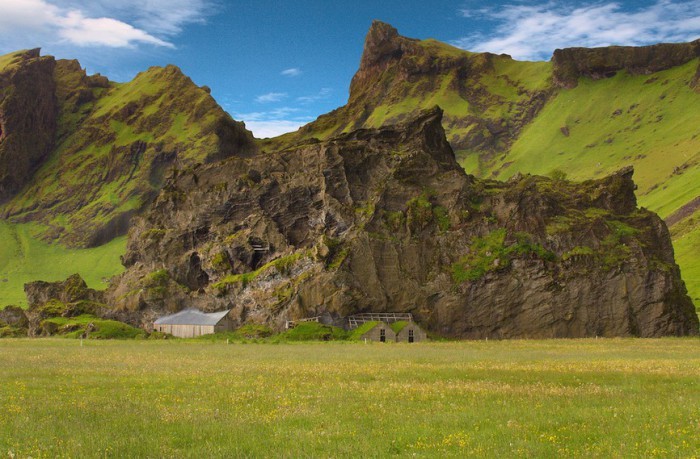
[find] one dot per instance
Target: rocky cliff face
(93, 153)
(386, 220)
(503, 116)
(572, 63)
(28, 113)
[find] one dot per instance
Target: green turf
(637, 120)
(25, 258)
(7, 61)
(687, 249)
(92, 327)
(568, 398)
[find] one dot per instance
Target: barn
(189, 323)
(375, 331)
(408, 332)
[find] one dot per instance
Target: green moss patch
(281, 264)
(357, 333)
(89, 326)
(491, 253)
(398, 326)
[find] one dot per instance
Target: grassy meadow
(189, 398)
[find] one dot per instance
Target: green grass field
(25, 258)
(570, 398)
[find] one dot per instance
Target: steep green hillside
(649, 121)
(114, 145)
(105, 151)
(24, 258)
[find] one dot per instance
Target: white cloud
(533, 31)
(82, 31)
(293, 72)
(271, 97)
(116, 24)
(272, 128)
(324, 93)
(273, 122)
(25, 14)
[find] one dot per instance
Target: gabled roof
(400, 325)
(192, 317)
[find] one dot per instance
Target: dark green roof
(362, 329)
(398, 326)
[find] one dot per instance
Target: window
(410, 336)
(382, 335)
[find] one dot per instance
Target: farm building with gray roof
(189, 323)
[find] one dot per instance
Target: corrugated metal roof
(192, 317)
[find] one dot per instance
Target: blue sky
(279, 64)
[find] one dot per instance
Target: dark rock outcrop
(68, 298)
(572, 63)
(28, 114)
(385, 220)
(69, 291)
(13, 321)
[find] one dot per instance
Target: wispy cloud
(293, 72)
(324, 93)
(271, 97)
(277, 113)
(98, 23)
(533, 31)
(167, 17)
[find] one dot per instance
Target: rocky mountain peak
(28, 54)
(27, 117)
(383, 48)
(382, 42)
(598, 63)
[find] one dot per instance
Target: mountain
(386, 220)
(80, 156)
(586, 113)
(369, 208)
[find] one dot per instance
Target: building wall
(375, 333)
(418, 334)
(185, 331)
(224, 325)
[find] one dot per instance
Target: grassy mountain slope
(587, 116)
(649, 121)
(24, 257)
(113, 144)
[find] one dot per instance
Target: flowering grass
(578, 398)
